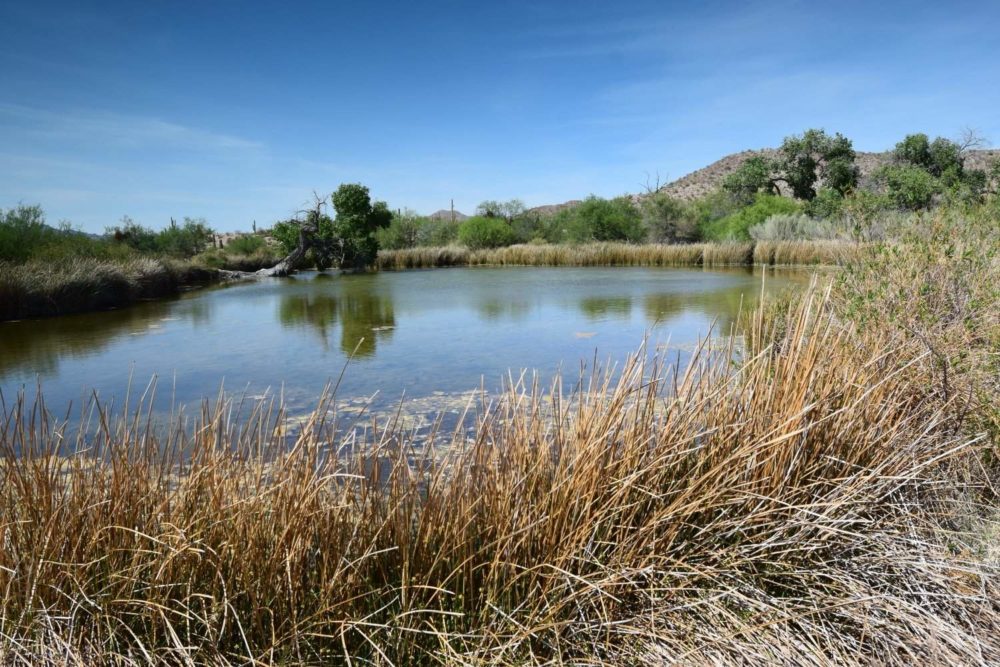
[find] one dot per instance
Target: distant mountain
(552, 209)
(445, 214)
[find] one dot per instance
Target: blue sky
(239, 111)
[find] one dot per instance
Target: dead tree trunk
(292, 261)
(308, 238)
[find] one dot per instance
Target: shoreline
(36, 289)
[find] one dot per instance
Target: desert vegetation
(813, 179)
(826, 497)
(46, 270)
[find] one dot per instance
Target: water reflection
(33, 347)
(457, 329)
(363, 317)
(721, 306)
(600, 308)
(495, 309)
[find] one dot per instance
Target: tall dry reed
(622, 254)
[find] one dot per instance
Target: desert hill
(702, 181)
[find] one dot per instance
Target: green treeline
(811, 189)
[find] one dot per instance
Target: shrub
(828, 204)
(437, 232)
(736, 227)
(909, 187)
(403, 231)
(245, 245)
(793, 227)
(598, 219)
(668, 220)
(482, 232)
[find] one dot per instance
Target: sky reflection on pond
(412, 333)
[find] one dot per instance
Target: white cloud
(108, 129)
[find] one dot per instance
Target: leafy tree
(914, 149)
(756, 174)
(801, 162)
(508, 210)
(485, 232)
(805, 159)
(941, 158)
(908, 186)
(356, 223)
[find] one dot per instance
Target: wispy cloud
(109, 129)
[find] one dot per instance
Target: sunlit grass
(622, 254)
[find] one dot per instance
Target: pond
(418, 334)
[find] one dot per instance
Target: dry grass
(622, 254)
(791, 508)
(39, 288)
(831, 253)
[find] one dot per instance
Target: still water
(416, 333)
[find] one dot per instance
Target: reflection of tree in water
(363, 317)
(496, 309)
(599, 307)
(36, 346)
(723, 306)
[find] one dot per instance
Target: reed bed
(41, 288)
(622, 254)
(795, 507)
(830, 253)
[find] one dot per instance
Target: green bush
(908, 186)
(736, 226)
(245, 245)
(828, 204)
(403, 231)
(668, 220)
(597, 219)
(482, 232)
(22, 230)
(25, 236)
(711, 207)
(437, 232)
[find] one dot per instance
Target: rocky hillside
(552, 209)
(701, 182)
(445, 214)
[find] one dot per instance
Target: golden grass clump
(794, 507)
(624, 254)
(805, 253)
